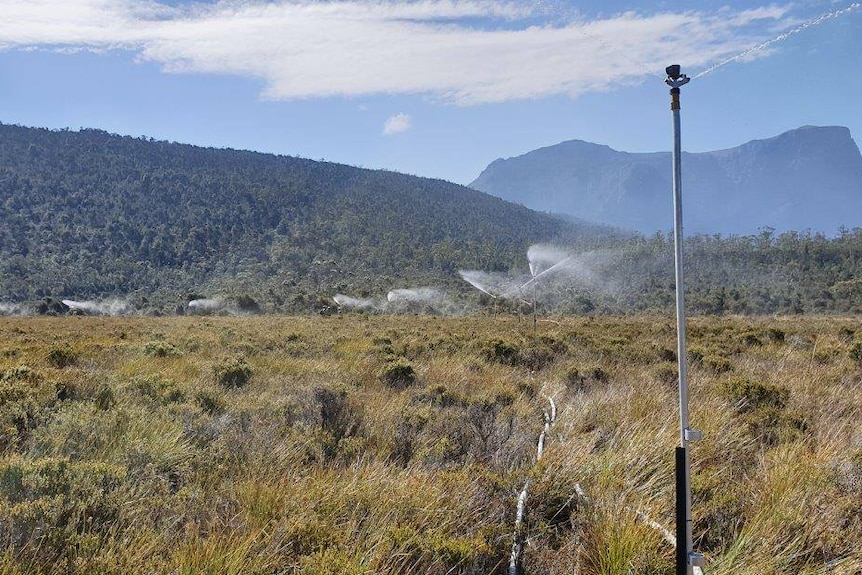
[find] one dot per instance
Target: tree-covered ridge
(93, 216)
(90, 214)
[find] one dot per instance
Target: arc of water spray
(550, 269)
(477, 285)
(780, 37)
(615, 49)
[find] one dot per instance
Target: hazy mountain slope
(89, 214)
(809, 178)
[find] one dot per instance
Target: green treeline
(90, 215)
(768, 273)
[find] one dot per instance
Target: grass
(370, 444)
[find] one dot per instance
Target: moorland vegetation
(377, 444)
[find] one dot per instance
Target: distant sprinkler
(556, 267)
(686, 558)
(535, 283)
(470, 277)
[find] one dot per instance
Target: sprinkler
(686, 558)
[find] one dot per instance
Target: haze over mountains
(805, 179)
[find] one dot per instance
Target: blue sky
(437, 88)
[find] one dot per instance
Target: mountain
(93, 215)
(808, 178)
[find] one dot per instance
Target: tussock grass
(358, 444)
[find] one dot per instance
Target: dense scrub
(358, 444)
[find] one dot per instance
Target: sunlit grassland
(371, 444)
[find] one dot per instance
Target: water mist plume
(205, 305)
(422, 294)
(402, 300)
(12, 309)
(355, 303)
(543, 256)
(597, 270)
(557, 267)
(555, 272)
(107, 307)
(783, 36)
(493, 284)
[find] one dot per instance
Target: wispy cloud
(397, 124)
(461, 51)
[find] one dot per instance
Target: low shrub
(383, 345)
(397, 374)
(430, 551)
(748, 395)
(439, 396)
(73, 499)
(762, 407)
(338, 418)
(501, 351)
(232, 373)
(775, 335)
(21, 402)
(717, 364)
(407, 433)
(826, 354)
(696, 354)
(159, 388)
(61, 357)
(65, 390)
(160, 349)
(106, 398)
(22, 373)
(534, 357)
(210, 403)
(750, 339)
(577, 379)
(527, 388)
(666, 373)
(665, 354)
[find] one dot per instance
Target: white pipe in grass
(517, 539)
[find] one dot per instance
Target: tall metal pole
(535, 316)
(686, 558)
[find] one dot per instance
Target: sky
(436, 88)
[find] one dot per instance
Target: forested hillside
(91, 215)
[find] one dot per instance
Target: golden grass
(122, 452)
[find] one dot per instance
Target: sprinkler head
(675, 78)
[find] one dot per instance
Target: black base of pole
(681, 491)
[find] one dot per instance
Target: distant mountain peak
(807, 178)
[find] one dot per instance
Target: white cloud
(461, 51)
(397, 124)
